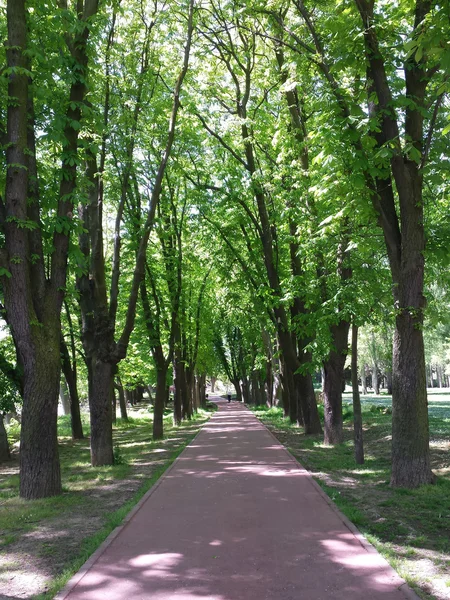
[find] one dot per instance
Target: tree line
(219, 186)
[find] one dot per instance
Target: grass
(95, 500)
(411, 528)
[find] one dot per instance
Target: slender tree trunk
(64, 398)
(188, 405)
(332, 387)
(70, 374)
(4, 446)
(375, 379)
(364, 379)
(160, 396)
(439, 375)
(122, 403)
(357, 415)
(101, 413)
(213, 384)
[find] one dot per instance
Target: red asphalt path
(236, 518)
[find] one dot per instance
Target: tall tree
(34, 293)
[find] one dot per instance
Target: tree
(33, 292)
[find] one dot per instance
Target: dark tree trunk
(332, 385)
(306, 389)
(160, 396)
(188, 404)
(245, 390)
(237, 387)
(213, 384)
(202, 390)
(40, 475)
(178, 380)
(410, 453)
(122, 403)
(113, 398)
(402, 222)
(128, 397)
(4, 446)
(357, 415)
(101, 413)
(389, 381)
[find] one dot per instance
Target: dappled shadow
(237, 518)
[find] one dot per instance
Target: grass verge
(53, 537)
(410, 528)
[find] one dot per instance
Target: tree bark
(5, 453)
(70, 374)
(160, 396)
(357, 415)
(122, 403)
(40, 475)
(375, 379)
(410, 453)
(101, 412)
(332, 386)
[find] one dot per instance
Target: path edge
(78, 576)
(404, 587)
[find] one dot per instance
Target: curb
(404, 588)
(75, 579)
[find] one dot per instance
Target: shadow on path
(236, 518)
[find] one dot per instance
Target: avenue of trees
(200, 188)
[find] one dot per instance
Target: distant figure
(229, 397)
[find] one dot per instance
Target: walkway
(236, 518)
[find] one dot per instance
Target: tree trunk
(410, 453)
(113, 399)
(64, 398)
(375, 379)
(40, 475)
(364, 380)
(306, 390)
(357, 415)
(188, 405)
(202, 390)
(4, 446)
(245, 390)
(332, 386)
(389, 381)
(439, 375)
(122, 403)
(213, 384)
(70, 374)
(160, 396)
(237, 387)
(101, 413)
